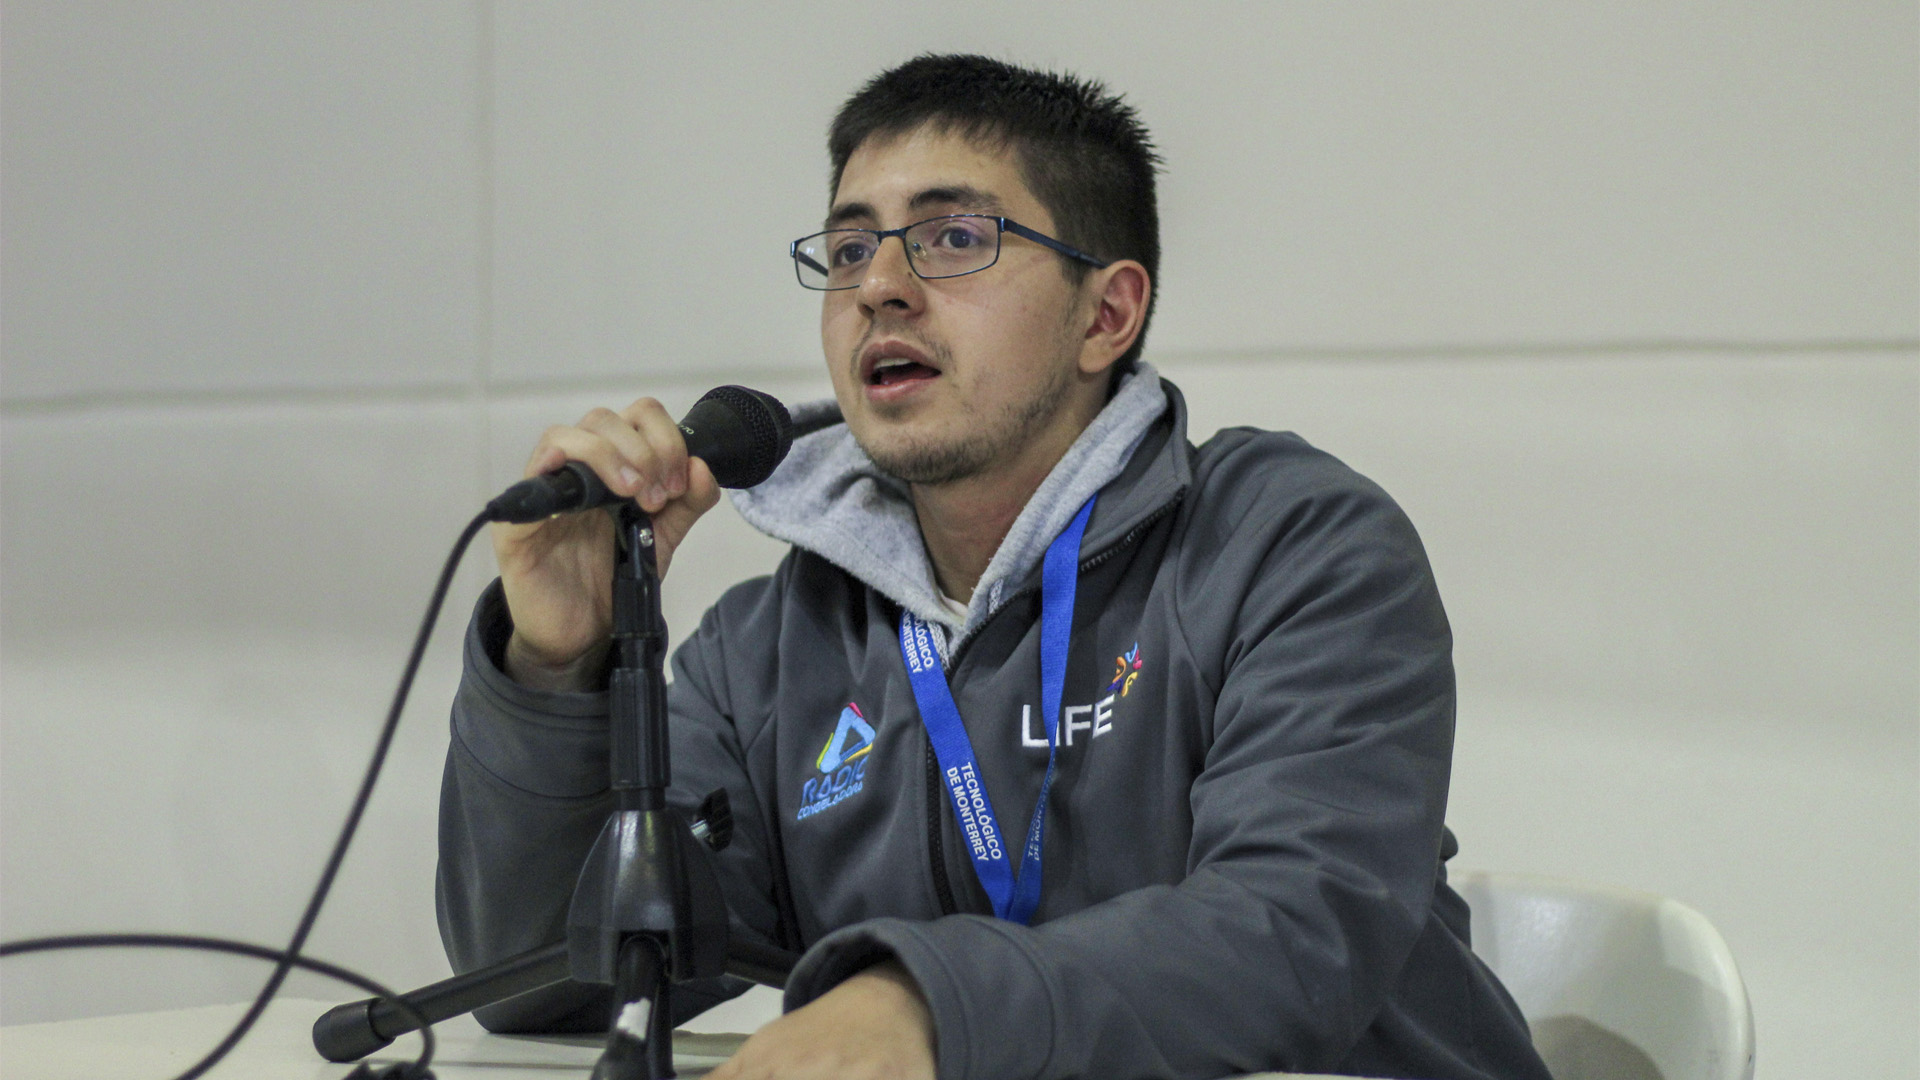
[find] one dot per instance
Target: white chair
(1615, 984)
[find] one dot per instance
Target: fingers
(874, 1026)
(638, 452)
(666, 441)
(671, 524)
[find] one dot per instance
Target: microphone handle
(574, 486)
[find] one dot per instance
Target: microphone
(741, 434)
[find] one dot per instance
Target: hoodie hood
(829, 498)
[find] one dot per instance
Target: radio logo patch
(841, 766)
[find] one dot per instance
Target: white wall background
(1622, 301)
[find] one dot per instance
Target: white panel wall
(1622, 302)
(238, 196)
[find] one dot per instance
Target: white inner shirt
(958, 608)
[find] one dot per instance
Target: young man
(1239, 857)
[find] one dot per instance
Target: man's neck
(963, 522)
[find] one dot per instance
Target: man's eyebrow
(957, 196)
(846, 212)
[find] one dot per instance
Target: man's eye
(851, 252)
(958, 238)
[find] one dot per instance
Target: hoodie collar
(829, 498)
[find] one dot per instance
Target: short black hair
(1082, 151)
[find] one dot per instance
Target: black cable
(289, 958)
(242, 948)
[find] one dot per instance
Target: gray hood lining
(829, 498)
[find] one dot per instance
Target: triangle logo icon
(852, 738)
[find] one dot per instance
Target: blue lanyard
(1014, 895)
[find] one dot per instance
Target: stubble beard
(987, 441)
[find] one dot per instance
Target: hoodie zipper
(936, 847)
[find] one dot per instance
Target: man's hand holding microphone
(556, 566)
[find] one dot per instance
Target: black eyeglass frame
(1006, 225)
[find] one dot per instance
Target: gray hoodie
(1245, 849)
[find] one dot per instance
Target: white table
(158, 1045)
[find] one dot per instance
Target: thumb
(676, 518)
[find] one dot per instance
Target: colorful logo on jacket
(1125, 670)
(1095, 718)
(842, 765)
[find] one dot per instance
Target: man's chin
(925, 461)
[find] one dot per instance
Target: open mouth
(896, 370)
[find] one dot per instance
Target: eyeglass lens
(940, 247)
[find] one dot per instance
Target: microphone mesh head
(769, 430)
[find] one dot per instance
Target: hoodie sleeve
(524, 794)
(1317, 826)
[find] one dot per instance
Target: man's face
(993, 355)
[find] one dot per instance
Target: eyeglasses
(940, 247)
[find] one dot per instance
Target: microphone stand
(647, 910)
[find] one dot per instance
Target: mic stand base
(352, 1031)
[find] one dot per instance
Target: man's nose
(890, 280)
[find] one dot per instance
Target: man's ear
(1119, 293)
